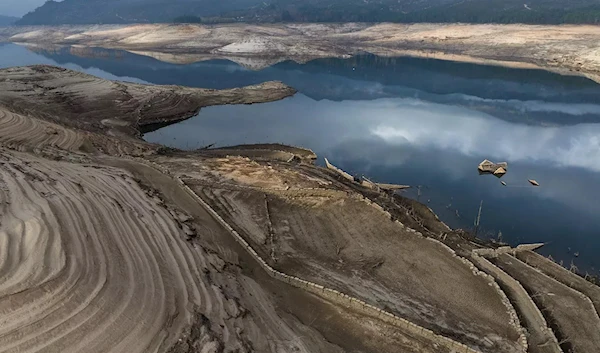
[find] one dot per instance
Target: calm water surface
(426, 123)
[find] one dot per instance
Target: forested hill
(468, 11)
(7, 20)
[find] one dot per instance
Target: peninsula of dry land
(112, 244)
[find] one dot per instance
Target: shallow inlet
(426, 123)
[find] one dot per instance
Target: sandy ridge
(90, 263)
(18, 131)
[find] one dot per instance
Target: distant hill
(7, 20)
(469, 11)
(129, 11)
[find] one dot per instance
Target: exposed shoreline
(565, 49)
(495, 62)
(116, 108)
(187, 247)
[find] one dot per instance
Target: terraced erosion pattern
(111, 244)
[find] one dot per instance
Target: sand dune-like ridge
(23, 133)
(17, 130)
(90, 263)
(88, 268)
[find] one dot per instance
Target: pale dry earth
(122, 109)
(567, 49)
(572, 312)
(91, 262)
(100, 252)
(308, 224)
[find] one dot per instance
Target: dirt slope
(572, 313)
(100, 252)
(89, 103)
(562, 275)
(309, 225)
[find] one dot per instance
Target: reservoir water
(422, 122)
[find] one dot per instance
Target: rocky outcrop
(489, 167)
(338, 170)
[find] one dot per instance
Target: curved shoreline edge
(563, 49)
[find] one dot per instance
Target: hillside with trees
(403, 11)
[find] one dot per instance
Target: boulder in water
(489, 167)
(500, 172)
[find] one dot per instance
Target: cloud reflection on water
(473, 133)
(398, 122)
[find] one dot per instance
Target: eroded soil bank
(167, 251)
(112, 108)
